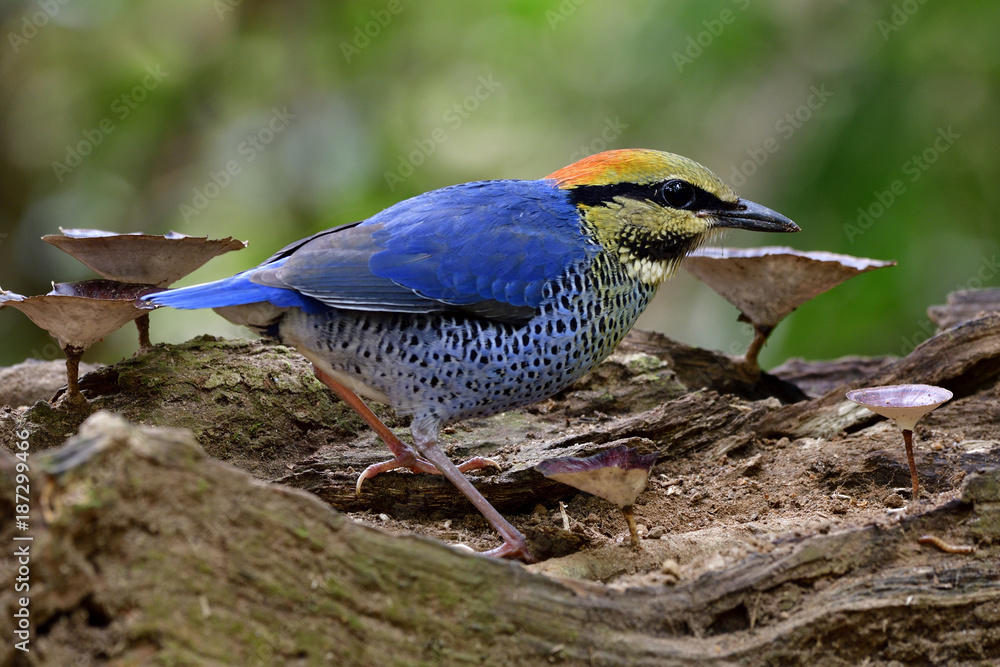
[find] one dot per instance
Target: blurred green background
(126, 116)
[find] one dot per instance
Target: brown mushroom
(618, 475)
(79, 314)
(141, 258)
(766, 284)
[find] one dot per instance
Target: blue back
(489, 246)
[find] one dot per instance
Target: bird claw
(479, 463)
(414, 463)
(511, 549)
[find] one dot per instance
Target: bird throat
(650, 253)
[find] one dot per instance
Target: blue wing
(489, 248)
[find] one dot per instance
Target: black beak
(753, 217)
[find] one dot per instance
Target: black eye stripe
(598, 195)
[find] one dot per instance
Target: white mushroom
(905, 404)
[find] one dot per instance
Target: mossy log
(147, 549)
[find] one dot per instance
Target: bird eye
(678, 193)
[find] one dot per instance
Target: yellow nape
(640, 166)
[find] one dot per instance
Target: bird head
(652, 208)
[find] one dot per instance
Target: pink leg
(404, 456)
(514, 545)
(433, 461)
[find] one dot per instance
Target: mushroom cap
(618, 475)
(767, 284)
(80, 314)
(141, 258)
(903, 403)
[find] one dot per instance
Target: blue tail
(238, 290)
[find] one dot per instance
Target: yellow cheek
(645, 215)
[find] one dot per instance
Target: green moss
(315, 643)
(640, 362)
(332, 586)
(94, 498)
(790, 596)
(986, 526)
(225, 378)
(368, 575)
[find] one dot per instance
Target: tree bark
(145, 548)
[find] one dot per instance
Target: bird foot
(414, 463)
(516, 548)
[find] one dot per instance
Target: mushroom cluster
(79, 314)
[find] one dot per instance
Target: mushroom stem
(632, 530)
(142, 324)
(73, 355)
(760, 335)
(908, 440)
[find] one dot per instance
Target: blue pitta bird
(481, 297)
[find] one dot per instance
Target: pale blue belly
(450, 367)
